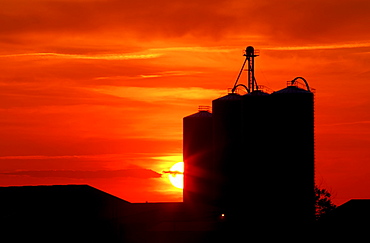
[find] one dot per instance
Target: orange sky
(94, 91)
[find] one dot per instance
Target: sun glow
(176, 175)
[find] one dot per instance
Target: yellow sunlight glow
(176, 175)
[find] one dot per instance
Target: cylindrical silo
(198, 160)
(256, 125)
(228, 154)
(293, 150)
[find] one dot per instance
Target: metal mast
(250, 55)
(252, 84)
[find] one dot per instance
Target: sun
(176, 175)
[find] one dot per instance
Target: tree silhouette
(323, 203)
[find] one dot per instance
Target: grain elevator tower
(253, 157)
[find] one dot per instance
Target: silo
(293, 151)
(228, 156)
(256, 125)
(197, 153)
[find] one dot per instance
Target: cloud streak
(319, 47)
(153, 94)
(91, 57)
(347, 123)
(74, 174)
(311, 21)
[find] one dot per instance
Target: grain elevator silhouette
(252, 157)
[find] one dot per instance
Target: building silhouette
(349, 221)
(70, 213)
(227, 151)
(199, 174)
(263, 153)
(81, 213)
(293, 151)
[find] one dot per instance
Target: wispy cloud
(216, 49)
(319, 47)
(172, 158)
(133, 173)
(152, 75)
(346, 123)
(52, 157)
(151, 94)
(116, 56)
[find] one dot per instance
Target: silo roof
(200, 114)
(231, 96)
(291, 90)
(257, 93)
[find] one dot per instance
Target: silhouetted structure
(228, 154)
(263, 146)
(81, 213)
(293, 153)
(349, 221)
(71, 213)
(256, 142)
(199, 177)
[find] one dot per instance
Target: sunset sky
(94, 91)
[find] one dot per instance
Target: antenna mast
(249, 53)
(252, 83)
